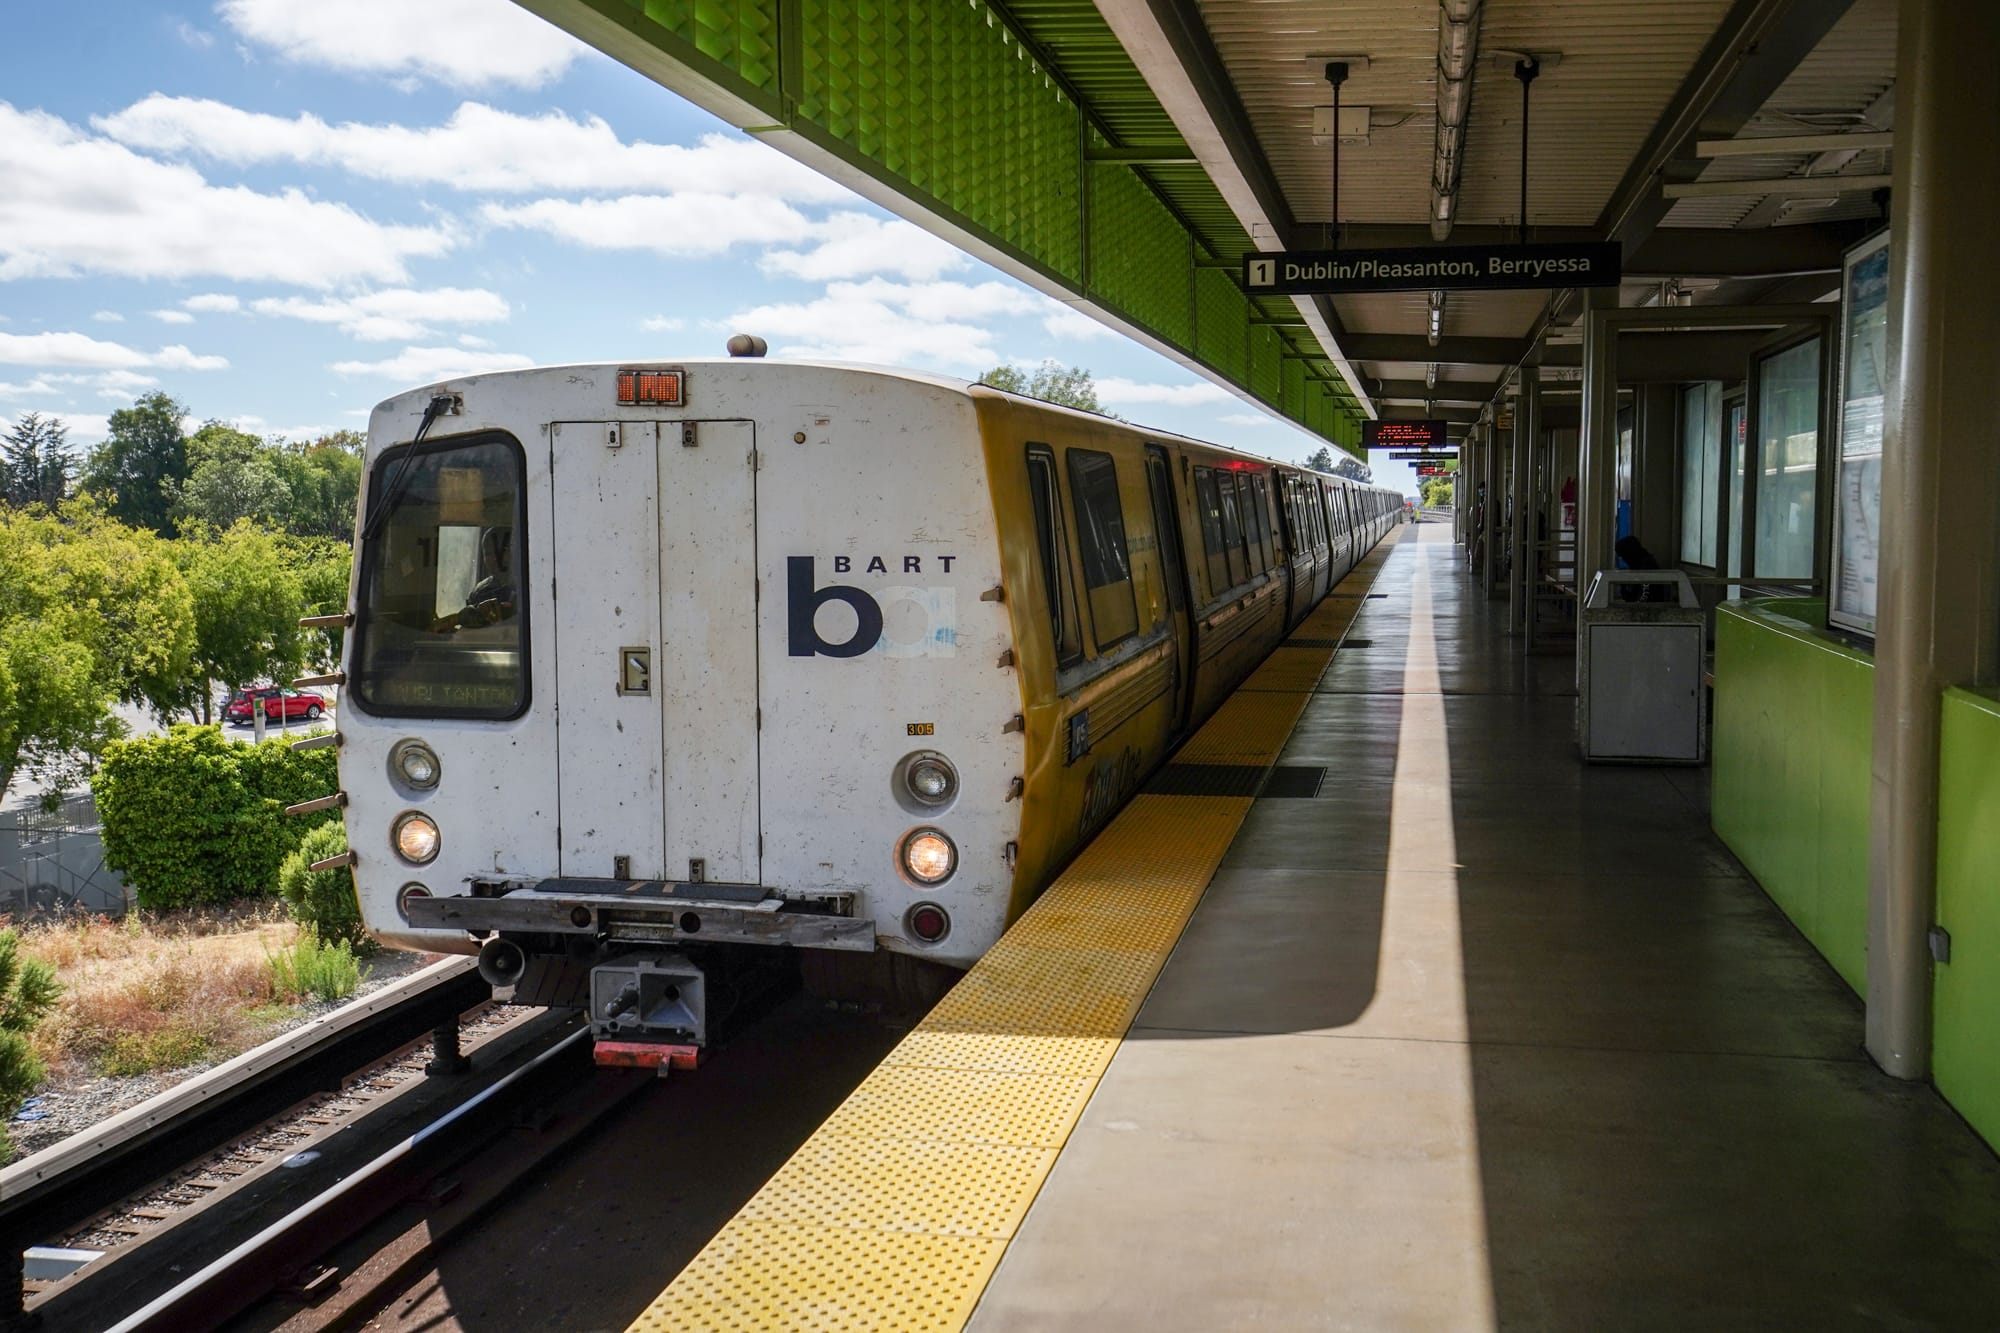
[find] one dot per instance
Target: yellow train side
(1116, 671)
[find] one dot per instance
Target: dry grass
(156, 992)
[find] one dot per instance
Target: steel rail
(239, 1278)
(70, 1182)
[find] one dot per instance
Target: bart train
(654, 665)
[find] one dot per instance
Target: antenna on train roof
(747, 344)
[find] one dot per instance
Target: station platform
(1461, 1033)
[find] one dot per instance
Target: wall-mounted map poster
(1864, 385)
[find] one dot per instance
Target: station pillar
(1496, 504)
(1596, 486)
(1938, 612)
(1527, 414)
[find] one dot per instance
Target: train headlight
(415, 837)
(928, 856)
(930, 779)
(416, 764)
(403, 896)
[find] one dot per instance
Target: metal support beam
(1708, 252)
(1496, 505)
(1783, 187)
(1754, 50)
(1796, 143)
(1461, 393)
(1416, 348)
(1938, 620)
(1596, 497)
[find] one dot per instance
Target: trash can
(1640, 693)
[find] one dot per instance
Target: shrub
(322, 901)
(190, 817)
(312, 969)
(28, 990)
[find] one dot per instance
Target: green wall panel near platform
(1794, 725)
(1965, 1058)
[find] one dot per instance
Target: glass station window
(1736, 444)
(1787, 462)
(1100, 529)
(1052, 542)
(1701, 470)
(442, 626)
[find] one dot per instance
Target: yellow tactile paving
(894, 1214)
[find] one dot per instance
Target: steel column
(1527, 414)
(1596, 493)
(1938, 618)
(1496, 507)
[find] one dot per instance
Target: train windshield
(441, 629)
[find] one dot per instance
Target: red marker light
(929, 923)
(649, 388)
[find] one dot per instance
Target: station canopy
(1126, 156)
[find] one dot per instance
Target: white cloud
(1174, 395)
(1246, 419)
(853, 245)
(423, 365)
(108, 317)
(473, 340)
(215, 303)
(694, 224)
(83, 428)
(480, 149)
(463, 43)
(1073, 324)
(392, 314)
(199, 38)
(173, 316)
(662, 323)
(76, 204)
(82, 350)
(911, 324)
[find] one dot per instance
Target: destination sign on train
(1403, 435)
(1432, 268)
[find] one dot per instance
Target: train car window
(443, 627)
(1232, 529)
(1263, 502)
(1100, 536)
(1211, 530)
(1052, 542)
(1253, 525)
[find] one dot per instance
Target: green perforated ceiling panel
(978, 116)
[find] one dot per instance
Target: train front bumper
(643, 911)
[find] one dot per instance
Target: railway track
(136, 1173)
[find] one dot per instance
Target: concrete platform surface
(1483, 1037)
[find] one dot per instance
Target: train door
(1173, 568)
(604, 535)
(708, 668)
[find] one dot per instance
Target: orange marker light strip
(662, 387)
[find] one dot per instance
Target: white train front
(652, 663)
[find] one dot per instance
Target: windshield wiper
(392, 490)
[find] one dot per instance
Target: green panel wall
(949, 106)
(1965, 1059)
(1794, 726)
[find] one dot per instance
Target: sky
(283, 211)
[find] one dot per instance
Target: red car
(279, 705)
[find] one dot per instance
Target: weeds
(310, 969)
(177, 1008)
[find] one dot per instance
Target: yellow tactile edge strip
(894, 1214)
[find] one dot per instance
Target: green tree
(1052, 383)
(139, 469)
(1436, 492)
(91, 611)
(322, 482)
(322, 566)
(35, 462)
(231, 475)
(1320, 459)
(247, 603)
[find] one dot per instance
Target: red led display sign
(1402, 435)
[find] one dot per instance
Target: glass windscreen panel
(1107, 564)
(1787, 462)
(1053, 547)
(442, 626)
(1701, 471)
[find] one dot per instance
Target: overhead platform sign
(1432, 268)
(1427, 456)
(1403, 435)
